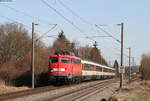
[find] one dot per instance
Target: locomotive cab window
(53, 59)
(65, 60)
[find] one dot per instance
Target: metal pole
(32, 55)
(129, 65)
(121, 62)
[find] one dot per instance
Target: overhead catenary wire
(108, 48)
(61, 15)
(46, 33)
(77, 15)
(4, 17)
(14, 21)
(83, 20)
(74, 13)
(96, 36)
(107, 33)
(28, 15)
(70, 20)
(18, 22)
(104, 46)
(110, 35)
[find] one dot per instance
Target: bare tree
(145, 66)
(14, 43)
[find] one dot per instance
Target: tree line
(15, 54)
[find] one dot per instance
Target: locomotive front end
(60, 67)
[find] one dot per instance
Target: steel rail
(80, 91)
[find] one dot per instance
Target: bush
(145, 67)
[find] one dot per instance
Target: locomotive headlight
(62, 69)
(55, 69)
(58, 69)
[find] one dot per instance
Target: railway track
(13, 95)
(72, 92)
(82, 93)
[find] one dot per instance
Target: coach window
(65, 60)
(85, 67)
(105, 70)
(53, 59)
(92, 67)
(98, 68)
(88, 67)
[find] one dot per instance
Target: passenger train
(71, 69)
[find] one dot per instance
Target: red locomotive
(69, 68)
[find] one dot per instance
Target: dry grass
(7, 89)
(136, 91)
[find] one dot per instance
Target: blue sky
(134, 13)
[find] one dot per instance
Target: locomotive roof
(71, 56)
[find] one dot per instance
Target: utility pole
(33, 78)
(121, 62)
(32, 55)
(129, 64)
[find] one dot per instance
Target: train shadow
(26, 80)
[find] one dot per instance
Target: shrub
(145, 66)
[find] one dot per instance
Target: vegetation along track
(83, 92)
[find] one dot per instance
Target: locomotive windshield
(53, 59)
(65, 60)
